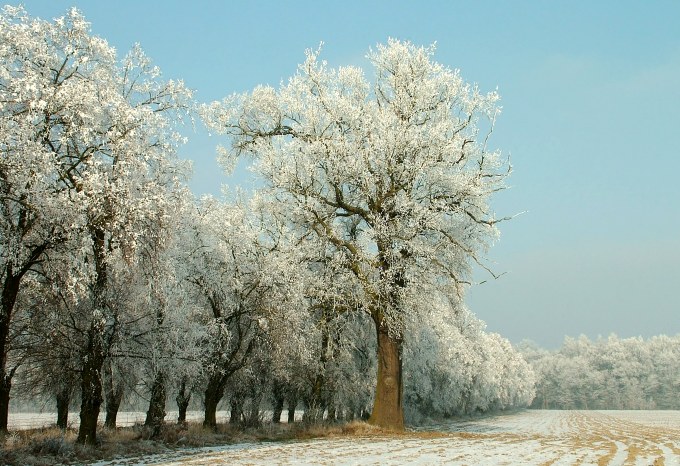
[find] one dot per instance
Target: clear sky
(591, 108)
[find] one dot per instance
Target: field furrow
(546, 438)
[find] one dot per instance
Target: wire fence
(23, 421)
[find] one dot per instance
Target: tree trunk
(112, 407)
(5, 387)
(331, 416)
(314, 405)
(278, 411)
(236, 412)
(114, 396)
(98, 340)
(91, 391)
(213, 395)
(251, 416)
(292, 404)
(182, 400)
(156, 412)
(388, 409)
(63, 401)
(279, 398)
(364, 415)
(10, 290)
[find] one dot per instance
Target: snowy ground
(528, 438)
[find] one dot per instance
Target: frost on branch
(87, 174)
(390, 178)
(350, 263)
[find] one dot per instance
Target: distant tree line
(608, 373)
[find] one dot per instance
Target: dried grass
(37, 446)
(52, 446)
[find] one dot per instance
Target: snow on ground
(526, 438)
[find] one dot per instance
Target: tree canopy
(390, 178)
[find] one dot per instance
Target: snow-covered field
(527, 438)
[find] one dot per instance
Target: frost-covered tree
(48, 360)
(240, 288)
(455, 368)
(30, 202)
(608, 373)
(87, 157)
(391, 175)
(163, 337)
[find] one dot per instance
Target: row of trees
(117, 282)
(608, 373)
(88, 182)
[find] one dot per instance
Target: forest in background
(608, 373)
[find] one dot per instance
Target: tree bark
(5, 387)
(251, 416)
(182, 400)
(63, 400)
(213, 395)
(99, 337)
(155, 415)
(332, 413)
(91, 390)
(279, 398)
(236, 412)
(388, 409)
(114, 397)
(292, 404)
(10, 290)
(112, 407)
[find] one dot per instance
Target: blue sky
(591, 104)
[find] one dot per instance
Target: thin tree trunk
(331, 416)
(292, 404)
(10, 290)
(388, 410)
(5, 387)
(314, 405)
(279, 398)
(112, 408)
(278, 411)
(156, 412)
(63, 400)
(236, 412)
(182, 399)
(113, 393)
